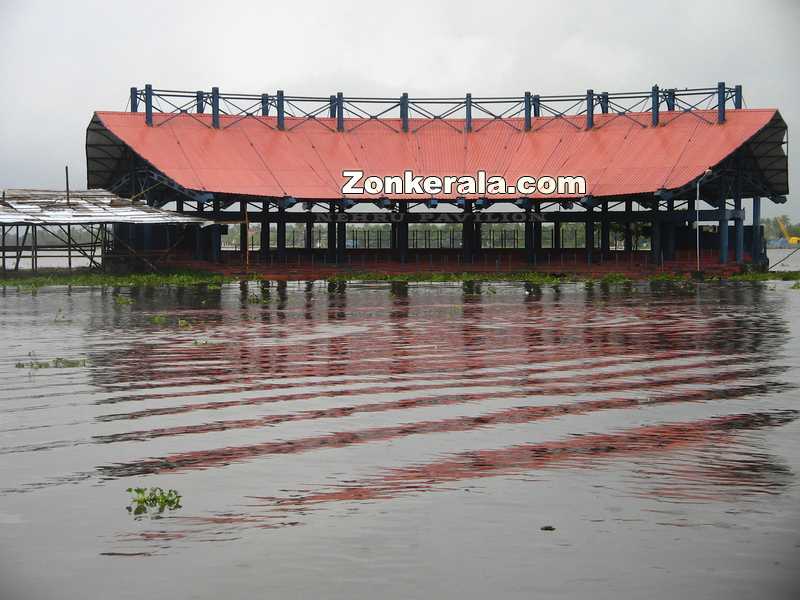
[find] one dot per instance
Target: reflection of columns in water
(472, 310)
(282, 300)
(401, 334)
(308, 312)
(338, 348)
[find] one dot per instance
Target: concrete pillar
(216, 243)
(655, 240)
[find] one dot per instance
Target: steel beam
(215, 107)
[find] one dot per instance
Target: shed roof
(621, 155)
(50, 207)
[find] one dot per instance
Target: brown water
(400, 441)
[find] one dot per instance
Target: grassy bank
(96, 279)
(88, 278)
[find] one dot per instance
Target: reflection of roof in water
(50, 207)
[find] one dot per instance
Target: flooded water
(402, 441)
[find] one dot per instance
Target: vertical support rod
(281, 110)
(134, 100)
(537, 228)
(589, 235)
(215, 107)
(557, 234)
(536, 106)
(332, 106)
(738, 225)
(148, 105)
(69, 247)
(404, 111)
(264, 105)
(655, 102)
(604, 103)
(671, 99)
(200, 102)
(737, 97)
(528, 106)
(339, 111)
(589, 109)
(721, 102)
(468, 112)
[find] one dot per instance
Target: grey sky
(61, 61)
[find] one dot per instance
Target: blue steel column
(339, 111)
(721, 102)
(755, 251)
(215, 107)
(265, 230)
(134, 100)
(200, 102)
(148, 104)
(264, 105)
(281, 254)
(537, 229)
(604, 103)
(655, 236)
(529, 250)
(528, 104)
(404, 111)
(468, 112)
(738, 224)
(467, 230)
(589, 235)
(655, 102)
(331, 254)
(723, 233)
(589, 109)
(557, 234)
(341, 238)
(628, 226)
(669, 231)
(402, 233)
(279, 100)
(605, 230)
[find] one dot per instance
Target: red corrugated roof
(250, 156)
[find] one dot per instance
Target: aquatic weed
(153, 501)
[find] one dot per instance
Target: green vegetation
(122, 300)
(89, 278)
(766, 276)
(153, 501)
(158, 320)
(56, 363)
(422, 277)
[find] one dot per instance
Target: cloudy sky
(63, 60)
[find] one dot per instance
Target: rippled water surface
(402, 441)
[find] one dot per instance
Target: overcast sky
(63, 60)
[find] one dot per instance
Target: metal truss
(529, 112)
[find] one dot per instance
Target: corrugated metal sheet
(93, 207)
(622, 155)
